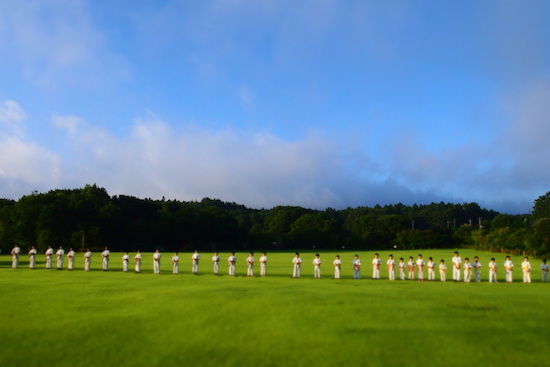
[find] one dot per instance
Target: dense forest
(89, 218)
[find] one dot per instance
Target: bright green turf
(62, 318)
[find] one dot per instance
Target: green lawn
(62, 318)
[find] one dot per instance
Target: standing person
(250, 263)
(509, 266)
(70, 257)
(493, 267)
(391, 267)
(49, 254)
(317, 267)
(59, 255)
(137, 260)
(467, 270)
(411, 265)
(196, 257)
(356, 267)
(232, 260)
(105, 255)
(297, 261)
(337, 267)
(87, 260)
(477, 268)
(376, 262)
(545, 268)
(32, 257)
(156, 261)
(402, 267)
(457, 263)
(15, 251)
(176, 263)
(442, 271)
(125, 261)
(263, 264)
(216, 263)
(420, 267)
(526, 267)
(431, 269)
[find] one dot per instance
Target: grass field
(62, 318)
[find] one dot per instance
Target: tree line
(89, 217)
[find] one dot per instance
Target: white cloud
(12, 116)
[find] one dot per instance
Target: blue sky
(312, 103)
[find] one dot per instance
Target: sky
(314, 103)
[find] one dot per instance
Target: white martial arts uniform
(356, 269)
(59, 255)
(137, 260)
(391, 268)
(263, 265)
(402, 266)
(420, 266)
(545, 269)
(70, 258)
(317, 268)
(526, 267)
(125, 261)
(337, 267)
(49, 254)
(411, 264)
(297, 261)
(467, 272)
(477, 270)
(216, 262)
(156, 262)
(431, 270)
(105, 254)
(15, 257)
(232, 260)
(376, 262)
(443, 272)
(457, 263)
(493, 267)
(32, 258)
(196, 257)
(509, 266)
(250, 266)
(175, 264)
(87, 260)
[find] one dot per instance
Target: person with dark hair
(337, 267)
(545, 268)
(137, 260)
(477, 268)
(391, 267)
(176, 263)
(87, 260)
(156, 261)
(457, 263)
(442, 271)
(49, 254)
(250, 265)
(493, 267)
(526, 267)
(125, 261)
(216, 263)
(32, 257)
(196, 257)
(376, 262)
(317, 267)
(232, 260)
(467, 270)
(297, 261)
(356, 267)
(431, 269)
(59, 255)
(70, 258)
(15, 257)
(509, 266)
(105, 255)
(420, 267)
(263, 264)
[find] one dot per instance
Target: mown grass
(62, 318)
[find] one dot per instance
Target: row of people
(412, 267)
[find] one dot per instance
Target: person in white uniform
(232, 260)
(526, 267)
(105, 255)
(337, 267)
(297, 261)
(176, 263)
(402, 266)
(376, 262)
(317, 267)
(195, 258)
(15, 251)
(420, 263)
(477, 268)
(545, 268)
(493, 267)
(250, 265)
(442, 271)
(60, 254)
(125, 261)
(216, 263)
(457, 264)
(263, 264)
(70, 258)
(411, 264)
(87, 260)
(509, 266)
(49, 254)
(467, 270)
(137, 260)
(356, 267)
(391, 267)
(156, 261)
(32, 257)
(431, 269)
